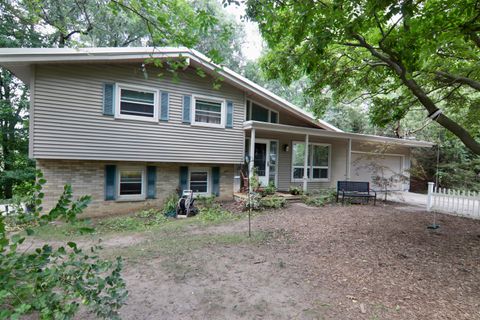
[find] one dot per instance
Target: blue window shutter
(216, 181)
(108, 99)
(187, 109)
(151, 182)
(183, 179)
(110, 185)
(164, 99)
(229, 114)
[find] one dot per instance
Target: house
(130, 133)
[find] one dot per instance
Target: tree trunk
(397, 67)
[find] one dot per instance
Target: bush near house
(320, 198)
(52, 282)
(269, 190)
(295, 190)
(273, 202)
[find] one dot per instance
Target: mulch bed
(383, 262)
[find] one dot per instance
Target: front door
(264, 161)
(260, 162)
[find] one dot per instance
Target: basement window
(131, 182)
(200, 181)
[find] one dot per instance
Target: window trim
(118, 90)
(209, 180)
(270, 110)
(223, 115)
(311, 166)
(132, 197)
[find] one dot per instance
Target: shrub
(52, 282)
(320, 198)
(253, 201)
(270, 189)
(205, 201)
(214, 214)
(170, 205)
(254, 180)
(295, 190)
(273, 202)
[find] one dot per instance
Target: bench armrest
(374, 192)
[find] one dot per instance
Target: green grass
(62, 231)
(147, 220)
(175, 245)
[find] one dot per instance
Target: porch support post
(251, 154)
(305, 165)
(349, 159)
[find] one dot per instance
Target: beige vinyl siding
(337, 167)
(69, 121)
(338, 160)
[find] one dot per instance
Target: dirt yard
(353, 262)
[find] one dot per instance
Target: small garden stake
(249, 215)
(434, 225)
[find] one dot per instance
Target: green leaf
(72, 245)
(23, 308)
(17, 239)
(86, 230)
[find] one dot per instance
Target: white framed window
(258, 112)
(208, 112)
(199, 180)
(318, 163)
(131, 183)
(136, 102)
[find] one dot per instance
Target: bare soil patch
(352, 262)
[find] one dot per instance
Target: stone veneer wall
(88, 177)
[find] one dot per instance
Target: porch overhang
(314, 132)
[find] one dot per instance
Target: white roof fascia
(15, 57)
(331, 134)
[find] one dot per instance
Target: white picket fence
(459, 202)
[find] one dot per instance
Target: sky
(253, 41)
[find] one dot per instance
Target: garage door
(375, 167)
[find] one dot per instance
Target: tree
(293, 93)
(395, 56)
(52, 282)
(16, 30)
(224, 40)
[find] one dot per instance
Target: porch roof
(275, 127)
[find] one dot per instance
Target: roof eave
(331, 134)
(17, 59)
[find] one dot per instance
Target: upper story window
(208, 112)
(318, 164)
(257, 112)
(137, 103)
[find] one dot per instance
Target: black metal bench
(355, 189)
